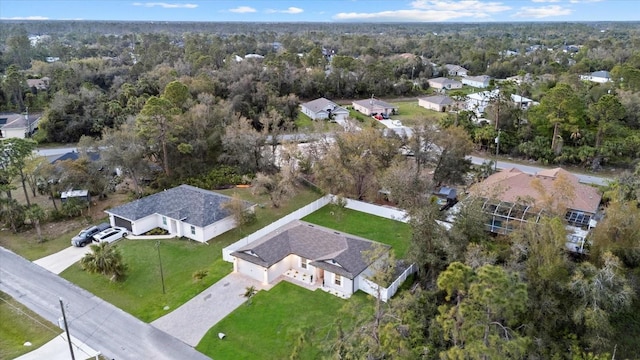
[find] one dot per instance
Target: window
(164, 221)
(303, 263)
(193, 230)
(337, 279)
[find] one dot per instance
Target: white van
(110, 235)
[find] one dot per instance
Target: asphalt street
(93, 321)
(586, 179)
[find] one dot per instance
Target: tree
(279, 186)
(598, 293)
(13, 155)
(354, 162)
(14, 85)
(123, 149)
(481, 314)
(605, 114)
(156, 124)
(104, 259)
(562, 111)
(427, 241)
(243, 147)
(238, 209)
(35, 214)
(452, 165)
(618, 233)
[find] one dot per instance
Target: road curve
(104, 327)
(586, 179)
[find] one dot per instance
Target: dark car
(86, 235)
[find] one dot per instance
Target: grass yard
(140, 294)
(20, 325)
(26, 243)
(411, 114)
(277, 323)
(390, 232)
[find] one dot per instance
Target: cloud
(546, 1)
(433, 10)
(243, 10)
(166, 5)
(36, 17)
(542, 12)
(584, 1)
(291, 10)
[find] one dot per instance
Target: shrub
(218, 178)
(200, 274)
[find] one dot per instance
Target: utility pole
(160, 262)
(495, 168)
(66, 329)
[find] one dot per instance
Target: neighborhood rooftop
(320, 104)
(340, 253)
(199, 207)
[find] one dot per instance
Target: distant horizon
(334, 22)
(325, 11)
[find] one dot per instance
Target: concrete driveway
(191, 321)
(58, 262)
(58, 349)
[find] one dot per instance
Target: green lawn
(411, 114)
(140, 294)
(27, 245)
(279, 322)
(386, 231)
(19, 325)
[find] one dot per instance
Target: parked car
(85, 236)
(110, 235)
(396, 122)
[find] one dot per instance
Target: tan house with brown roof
(333, 260)
(513, 197)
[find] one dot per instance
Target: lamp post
(497, 140)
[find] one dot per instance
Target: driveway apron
(191, 321)
(58, 262)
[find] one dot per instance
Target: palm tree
(106, 260)
(12, 213)
(35, 214)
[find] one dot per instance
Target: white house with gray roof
(333, 260)
(185, 210)
(320, 109)
(437, 102)
(601, 77)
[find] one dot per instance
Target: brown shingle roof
(331, 250)
(513, 185)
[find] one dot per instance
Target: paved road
(191, 321)
(58, 262)
(93, 321)
(587, 179)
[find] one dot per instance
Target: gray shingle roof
(193, 205)
(321, 104)
(372, 103)
(438, 99)
(331, 250)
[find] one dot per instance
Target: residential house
(481, 81)
(443, 83)
(336, 261)
(521, 79)
(438, 103)
(512, 197)
(522, 102)
(597, 76)
(38, 84)
(185, 210)
(478, 102)
(320, 109)
(20, 126)
(371, 106)
(455, 70)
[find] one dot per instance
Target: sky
(323, 10)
